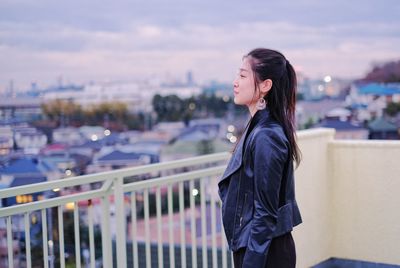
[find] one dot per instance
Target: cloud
(122, 43)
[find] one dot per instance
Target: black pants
(281, 254)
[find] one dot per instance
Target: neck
(252, 109)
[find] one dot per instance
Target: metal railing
(175, 209)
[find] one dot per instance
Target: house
(93, 133)
(194, 134)
(71, 160)
(344, 129)
(339, 113)
(216, 126)
(24, 171)
(68, 135)
(149, 148)
(131, 136)
(381, 129)
(373, 98)
(314, 111)
(6, 140)
(113, 138)
(172, 128)
(109, 158)
(29, 139)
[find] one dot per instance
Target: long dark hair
(281, 98)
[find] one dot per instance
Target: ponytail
(291, 112)
(281, 99)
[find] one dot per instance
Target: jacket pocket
(242, 211)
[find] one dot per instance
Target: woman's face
(243, 85)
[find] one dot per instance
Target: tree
(112, 115)
(62, 111)
(106, 112)
(168, 108)
(392, 108)
(172, 108)
(309, 123)
(388, 72)
(205, 147)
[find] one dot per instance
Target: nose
(235, 83)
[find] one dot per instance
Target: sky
(80, 41)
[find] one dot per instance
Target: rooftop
(347, 191)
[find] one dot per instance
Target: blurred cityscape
(67, 130)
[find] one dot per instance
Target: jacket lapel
(261, 117)
(236, 160)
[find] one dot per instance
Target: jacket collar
(259, 118)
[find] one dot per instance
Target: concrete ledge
(387, 144)
(344, 263)
(315, 133)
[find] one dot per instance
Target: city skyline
(82, 42)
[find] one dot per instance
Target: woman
(259, 209)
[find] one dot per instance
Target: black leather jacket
(257, 190)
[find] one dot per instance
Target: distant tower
(10, 91)
(60, 81)
(189, 78)
(34, 86)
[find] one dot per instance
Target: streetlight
(327, 79)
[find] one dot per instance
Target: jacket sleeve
(269, 152)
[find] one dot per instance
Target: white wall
(366, 200)
(313, 193)
(348, 192)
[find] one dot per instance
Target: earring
(261, 105)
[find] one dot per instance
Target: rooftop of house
(24, 180)
(339, 125)
(379, 89)
(380, 124)
(118, 155)
(27, 165)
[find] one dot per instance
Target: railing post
(105, 232)
(120, 220)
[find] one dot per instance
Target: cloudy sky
(98, 40)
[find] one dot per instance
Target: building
(369, 100)
(6, 140)
(29, 139)
(310, 112)
(110, 158)
(138, 95)
(68, 135)
(24, 171)
(344, 129)
(19, 109)
(381, 129)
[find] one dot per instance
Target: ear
(265, 86)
